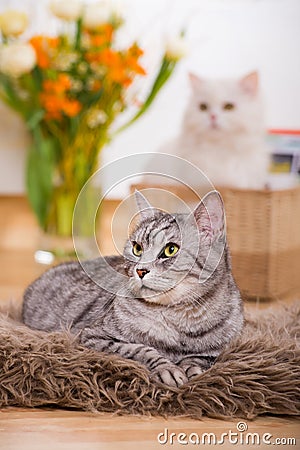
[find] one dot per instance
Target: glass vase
(56, 239)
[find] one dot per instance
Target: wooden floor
(64, 430)
(51, 429)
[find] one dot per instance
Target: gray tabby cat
(170, 302)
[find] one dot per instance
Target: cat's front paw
(194, 366)
(192, 370)
(170, 375)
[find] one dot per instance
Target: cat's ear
(210, 216)
(249, 83)
(144, 207)
(195, 81)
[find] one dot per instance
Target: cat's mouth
(154, 295)
(147, 289)
(149, 295)
(215, 126)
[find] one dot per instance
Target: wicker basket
(263, 230)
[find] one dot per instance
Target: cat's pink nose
(213, 117)
(142, 272)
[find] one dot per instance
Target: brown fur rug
(258, 374)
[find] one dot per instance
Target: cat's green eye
(170, 250)
(137, 249)
(203, 106)
(228, 106)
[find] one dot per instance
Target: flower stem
(166, 70)
(78, 33)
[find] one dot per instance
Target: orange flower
(133, 54)
(110, 57)
(121, 66)
(127, 82)
(42, 46)
(102, 37)
(52, 104)
(119, 74)
(55, 100)
(64, 81)
(97, 41)
(71, 107)
(135, 51)
(58, 86)
(91, 57)
(96, 85)
(106, 57)
(56, 105)
(135, 66)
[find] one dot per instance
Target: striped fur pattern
(149, 307)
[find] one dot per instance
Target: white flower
(64, 60)
(66, 9)
(96, 118)
(96, 14)
(13, 23)
(76, 85)
(82, 68)
(17, 59)
(176, 48)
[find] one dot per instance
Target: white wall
(225, 37)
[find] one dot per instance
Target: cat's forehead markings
(148, 232)
(143, 229)
(161, 235)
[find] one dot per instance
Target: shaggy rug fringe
(257, 374)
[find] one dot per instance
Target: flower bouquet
(69, 89)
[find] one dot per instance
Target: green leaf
(40, 165)
(9, 95)
(90, 98)
(38, 76)
(35, 119)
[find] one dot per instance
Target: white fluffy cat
(223, 132)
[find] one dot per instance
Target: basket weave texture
(263, 229)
